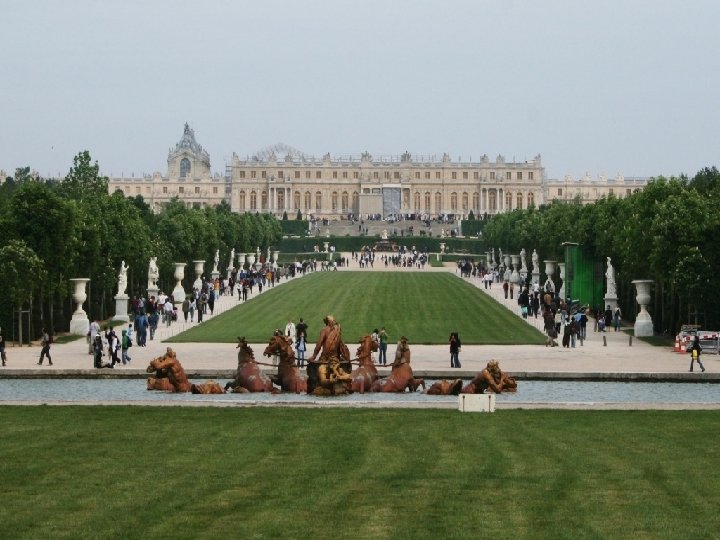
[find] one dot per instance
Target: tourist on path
(455, 345)
(695, 352)
(2, 349)
(301, 347)
(383, 338)
(93, 331)
(45, 351)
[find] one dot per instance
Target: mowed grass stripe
(136, 472)
(424, 307)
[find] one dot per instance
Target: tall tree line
(665, 232)
(52, 231)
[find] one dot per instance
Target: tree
(83, 180)
(299, 215)
(21, 273)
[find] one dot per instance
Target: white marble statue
(216, 261)
(535, 262)
(232, 258)
(122, 279)
(153, 273)
(492, 260)
(610, 275)
(523, 261)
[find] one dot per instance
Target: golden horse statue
(491, 379)
(288, 376)
(366, 374)
(401, 377)
(169, 374)
(249, 377)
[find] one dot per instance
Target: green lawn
(182, 472)
(424, 307)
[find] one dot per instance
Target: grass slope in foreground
(134, 472)
(425, 307)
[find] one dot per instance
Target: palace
(281, 180)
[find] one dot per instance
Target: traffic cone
(676, 348)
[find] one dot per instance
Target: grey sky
(616, 86)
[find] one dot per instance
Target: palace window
(437, 175)
(253, 174)
(427, 175)
(308, 200)
(355, 201)
(465, 199)
(334, 201)
(242, 200)
(281, 174)
(318, 175)
(308, 175)
(416, 201)
(253, 200)
(492, 175)
(454, 176)
(508, 175)
(387, 175)
(181, 189)
(427, 201)
(438, 202)
(508, 201)
(492, 201)
(476, 201)
(297, 175)
(453, 201)
(197, 190)
(519, 201)
(184, 167)
(476, 175)
(344, 174)
(345, 200)
(530, 200)
(376, 175)
(519, 175)
(396, 175)
(356, 174)
(417, 175)
(264, 200)
(296, 200)
(262, 174)
(318, 200)
(165, 189)
(335, 175)
(242, 174)
(465, 175)
(531, 175)
(281, 199)
(559, 192)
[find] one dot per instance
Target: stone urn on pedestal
(275, 256)
(199, 269)
(643, 321)
(549, 272)
(562, 280)
(178, 292)
(326, 247)
(515, 276)
(250, 260)
(79, 324)
(241, 261)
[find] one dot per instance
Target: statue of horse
(491, 379)
(209, 387)
(446, 388)
(168, 364)
(366, 374)
(248, 377)
(401, 377)
(288, 377)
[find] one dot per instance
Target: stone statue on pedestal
(122, 279)
(610, 275)
(153, 273)
(523, 261)
(216, 261)
(535, 262)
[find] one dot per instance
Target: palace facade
(282, 180)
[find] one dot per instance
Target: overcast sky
(614, 86)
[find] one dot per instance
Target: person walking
(301, 347)
(617, 318)
(45, 351)
(455, 345)
(124, 346)
(3, 357)
(383, 339)
(93, 331)
(695, 351)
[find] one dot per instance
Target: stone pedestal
(275, 256)
(79, 324)
(121, 308)
(178, 292)
(643, 321)
(215, 274)
(153, 291)
(611, 301)
(241, 260)
(535, 277)
(549, 271)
